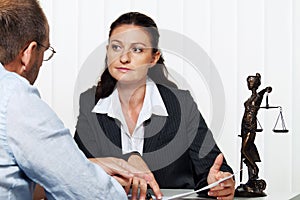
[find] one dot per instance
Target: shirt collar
(153, 100)
(1, 67)
(3, 71)
(153, 103)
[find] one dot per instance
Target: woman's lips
(123, 69)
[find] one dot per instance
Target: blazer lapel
(160, 130)
(110, 128)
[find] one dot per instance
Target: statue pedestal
(253, 188)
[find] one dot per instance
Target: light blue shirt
(36, 147)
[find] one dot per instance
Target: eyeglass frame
(47, 48)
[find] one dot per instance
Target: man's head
(24, 35)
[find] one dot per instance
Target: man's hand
(139, 163)
(225, 190)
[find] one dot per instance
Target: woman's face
(129, 54)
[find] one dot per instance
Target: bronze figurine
(249, 154)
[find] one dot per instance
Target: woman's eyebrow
(138, 43)
(131, 44)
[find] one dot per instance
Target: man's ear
(155, 58)
(28, 55)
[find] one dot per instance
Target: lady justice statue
(249, 153)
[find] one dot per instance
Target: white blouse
(153, 104)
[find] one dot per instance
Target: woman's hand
(226, 189)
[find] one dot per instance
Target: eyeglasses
(48, 53)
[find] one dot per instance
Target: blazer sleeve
(84, 129)
(203, 149)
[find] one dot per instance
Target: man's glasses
(48, 53)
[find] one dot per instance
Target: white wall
(240, 37)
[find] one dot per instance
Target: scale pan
(280, 131)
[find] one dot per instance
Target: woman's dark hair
(157, 73)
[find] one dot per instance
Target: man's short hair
(21, 22)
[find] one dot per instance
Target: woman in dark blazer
(136, 110)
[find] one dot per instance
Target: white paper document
(186, 194)
(199, 190)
